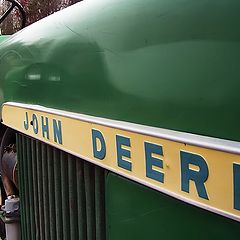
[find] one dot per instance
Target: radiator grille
(62, 196)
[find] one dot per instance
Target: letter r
(199, 177)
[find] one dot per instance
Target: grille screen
(62, 196)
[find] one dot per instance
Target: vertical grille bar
(26, 189)
(40, 190)
(51, 197)
(30, 191)
(72, 196)
(81, 197)
(35, 187)
(90, 200)
(62, 196)
(21, 187)
(65, 200)
(45, 191)
(100, 203)
(58, 203)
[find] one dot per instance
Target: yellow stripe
(77, 139)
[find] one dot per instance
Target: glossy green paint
(3, 37)
(166, 63)
(137, 212)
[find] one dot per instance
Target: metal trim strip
(187, 138)
(193, 139)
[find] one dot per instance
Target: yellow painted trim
(76, 138)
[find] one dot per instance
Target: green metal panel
(137, 212)
(58, 200)
(166, 63)
(3, 37)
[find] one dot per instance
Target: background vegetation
(35, 10)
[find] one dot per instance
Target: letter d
(98, 153)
